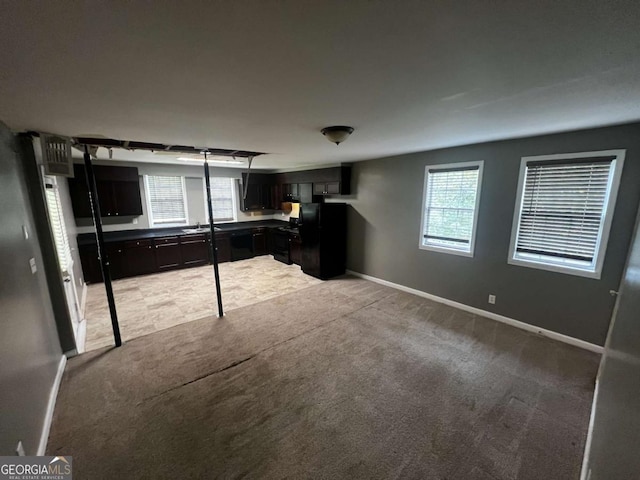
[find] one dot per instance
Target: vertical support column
(214, 250)
(102, 254)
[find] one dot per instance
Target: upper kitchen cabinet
(260, 192)
(332, 181)
(118, 191)
(302, 186)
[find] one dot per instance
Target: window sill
(594, 274)
(453, 251)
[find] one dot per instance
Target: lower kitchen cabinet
(90, 263)
(151, 255)
(194, 249)
(168, 252)
(223, 245)
(259, 242)
(118, 262)
(141, 257)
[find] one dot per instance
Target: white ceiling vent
(56, 154)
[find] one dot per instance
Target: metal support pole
(214, 250)
(102, 253)
(246, 186)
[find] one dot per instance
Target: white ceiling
(267, 75)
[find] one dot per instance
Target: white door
(58, 227)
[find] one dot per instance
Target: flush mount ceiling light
(210, 159)
(337, 134)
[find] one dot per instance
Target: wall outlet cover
(32, 264)
(492, 299)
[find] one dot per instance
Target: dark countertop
(137, 234)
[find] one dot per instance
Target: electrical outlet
(32, 264)
(20, 450)
(492, 299)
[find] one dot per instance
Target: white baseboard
(53, 395)
(83, 298)
(484, 313)
(81, 337)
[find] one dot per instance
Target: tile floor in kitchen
(149, 303)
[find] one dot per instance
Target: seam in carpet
(239, 362)
(231, 365)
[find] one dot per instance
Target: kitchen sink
(199, 230)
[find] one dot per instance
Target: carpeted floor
(346, 379)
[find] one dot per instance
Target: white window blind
(450, 206)
(563, 207)
(222, 199)
(57, 224)
(564, 211)
(166, 197)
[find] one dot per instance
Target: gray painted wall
(195, 195)
(616, 418)
(29, 347)
(384, 224)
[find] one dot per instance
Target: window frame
(476, 208)
(152, 223)
(605, 223)
(234, 199)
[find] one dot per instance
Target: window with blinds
(166, 200)
(451, 198)
(564, 210)
(58, 228)
(222, 199)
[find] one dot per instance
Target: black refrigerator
(323, 232)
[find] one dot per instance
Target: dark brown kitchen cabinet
(262, 192)
(168, 252)
(141, 257)
(295, 248)
(290, 192)
(118, 191)
(118, 261)
(90, 263)
(195, 249)
(327, 188)
(223, 245)
(259, 242)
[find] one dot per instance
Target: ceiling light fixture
(337, 134)
(210, 160)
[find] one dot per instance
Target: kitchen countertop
(137, 234)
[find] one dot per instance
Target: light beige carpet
(345, 379)
(150, 303)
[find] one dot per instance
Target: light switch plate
(32, 264)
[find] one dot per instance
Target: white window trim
(605, 227)
(234, 200)
(148, 202)
(476, 208)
